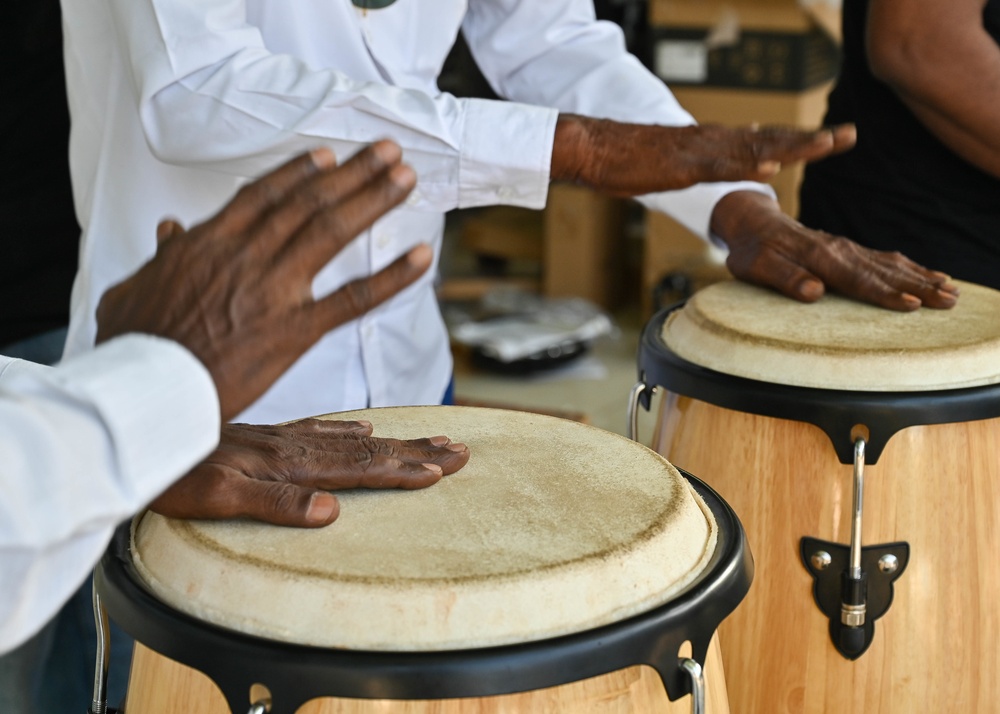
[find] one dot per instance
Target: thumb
(167, 229)
(287, 504)
(771, 269)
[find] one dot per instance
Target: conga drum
(860, 449)
(563, 569)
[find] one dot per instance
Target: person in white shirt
(175, 103)
(186, 343)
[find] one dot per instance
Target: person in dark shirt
(921, 79)
(37, 223)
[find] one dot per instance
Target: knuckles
(261, 195)
(335, 224)
(357, 296)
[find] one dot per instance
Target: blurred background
(512, 278)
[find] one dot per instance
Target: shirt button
(413, 199)
(382, 240)
(506, 193)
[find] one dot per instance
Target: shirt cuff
(692, 207)
(13, 368)
(506, 154)
(157, 401)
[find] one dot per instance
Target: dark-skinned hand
(282, 474)
(622, 159)
(237, 289)
(768, 248)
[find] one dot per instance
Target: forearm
(941, 63)
(974, 137)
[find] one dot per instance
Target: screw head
(888, 563)
(821, 560)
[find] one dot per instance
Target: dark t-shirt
(900, 188)
(39, 235)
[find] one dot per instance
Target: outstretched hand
(237, 289)
(635, 159)
(282, 474)
(767, 247)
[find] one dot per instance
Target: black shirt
(39, 235)
(900, 188)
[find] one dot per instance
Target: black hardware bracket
(829, 586)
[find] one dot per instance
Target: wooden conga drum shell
(779, 452)
(504, 587)
(935, 487)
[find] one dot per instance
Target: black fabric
(39, 235)
(900, 188)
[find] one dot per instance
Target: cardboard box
(762, 44)
(577, 242)
(584, 236)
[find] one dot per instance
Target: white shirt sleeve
(211, 94)
(83, 446)
(556, 54)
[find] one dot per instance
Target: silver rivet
(821, 560)
(888, 563)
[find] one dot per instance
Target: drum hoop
(834, 411)
(298, 673)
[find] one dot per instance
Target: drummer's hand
(281, 474)
(635, 159)
(769, 248)
(237, 289)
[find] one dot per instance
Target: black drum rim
(298, 673)
(836, 412)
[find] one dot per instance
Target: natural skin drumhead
(552, 527)
(837, 343)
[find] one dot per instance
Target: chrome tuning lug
(852, 584)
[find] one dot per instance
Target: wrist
(739, 214)
(569, 149)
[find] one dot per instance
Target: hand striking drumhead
(837, 343)
(553, 527)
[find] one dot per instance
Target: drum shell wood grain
(934, 487)
(158, 685)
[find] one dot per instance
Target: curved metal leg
(99, 705)
(632, 416)
(261, 707)
(697, 675)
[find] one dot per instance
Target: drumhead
(838, 343)
(553, 527)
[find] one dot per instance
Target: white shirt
(175, 103)
(83, 446)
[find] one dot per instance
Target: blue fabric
(44, 348)
(449, 393)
